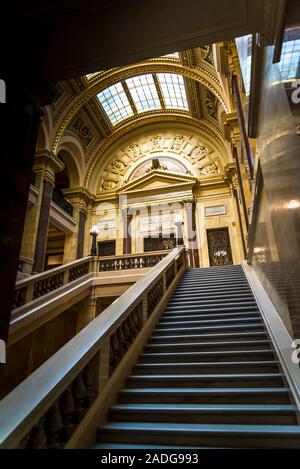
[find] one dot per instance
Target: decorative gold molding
(205, 126)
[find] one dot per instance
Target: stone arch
(73, 156)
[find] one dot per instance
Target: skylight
(144, 93)
(289, 65)
(115, 103)
(173, 90)
(244, 47)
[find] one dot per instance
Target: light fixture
(178, 219)
(293, 204)
(94, 233)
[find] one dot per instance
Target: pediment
(158, 179)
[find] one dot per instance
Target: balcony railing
(47, 408)
(39, 285)
(61, 202)
(131, 261)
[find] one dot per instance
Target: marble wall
(276, 256)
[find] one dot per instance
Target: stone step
(212, 315)
(192, 337)
(242, 436)
(209, 346)
(213, 299)
(226, 307)
(216, 284)
(219, 380)
(192, 290)
(267, 366)
(215, 356)
(205, 413)
(206, 395)
(194, 321)
(258, 326)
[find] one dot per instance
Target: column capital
(231, 127)
(189, 204)
(47, 164)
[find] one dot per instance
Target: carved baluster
(67, 407)
(127, 331)
(79, 395)
(89, 378)
(112, 358)
(38, 437)
(115, 352)
(54, 427)
(122, 341)
(25, 442)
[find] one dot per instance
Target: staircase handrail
(96, 350)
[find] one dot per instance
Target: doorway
(219, 247)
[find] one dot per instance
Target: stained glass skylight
(143, 91)
(115, 103)
(173, 90)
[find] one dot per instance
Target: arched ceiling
(185, 91)
(201, 82)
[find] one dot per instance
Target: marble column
(127, 218)
(75, 247)
(46, 165)
(42, 233)
(80, 238)
(192, 233)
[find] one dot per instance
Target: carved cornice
(200, 74)
(79, 196)
(157, 172)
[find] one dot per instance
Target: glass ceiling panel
(173, 90)
(115, 103)
(143, 92)
(289, 65)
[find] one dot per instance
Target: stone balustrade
(45, 410)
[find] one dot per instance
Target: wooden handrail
(97, 349)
